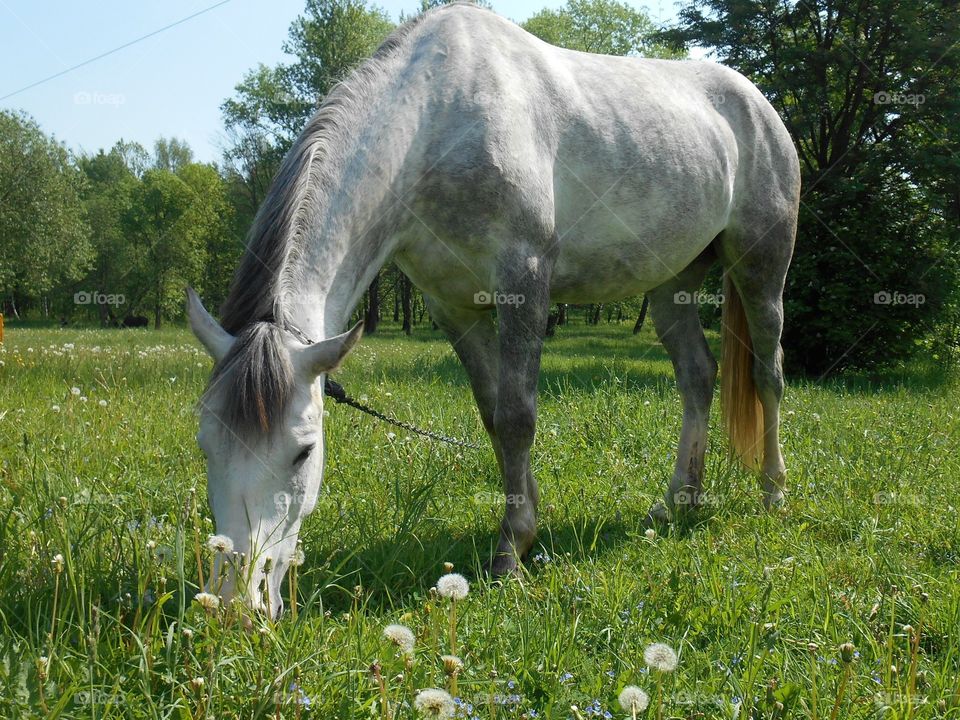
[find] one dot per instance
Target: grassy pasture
(98, 465)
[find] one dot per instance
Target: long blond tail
(742, 412)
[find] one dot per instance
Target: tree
(167, 221)
(107, 198)
(599, 26)
(867, 90)
(328, 41)
(208, 223)
(171, 154)
(44, 236)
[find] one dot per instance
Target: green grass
(871, 523)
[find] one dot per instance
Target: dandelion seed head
(208, 601)
(401, 636)
(220, 543)
(435, 703)
(660, 657)
(451, 664)
(633, 699)
(453, 586)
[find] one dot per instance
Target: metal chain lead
(335, 390)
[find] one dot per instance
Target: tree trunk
(595, 320)
(405, 293)
(104, 313)
(562, 314)
(643, 315)
(372, 318)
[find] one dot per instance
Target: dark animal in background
(135, 321)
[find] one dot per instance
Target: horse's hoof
(659, 514)
(503, 565)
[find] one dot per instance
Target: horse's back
(632, 163)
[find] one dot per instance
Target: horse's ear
(326, 355)
(215, 339)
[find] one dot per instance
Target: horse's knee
(515, 421)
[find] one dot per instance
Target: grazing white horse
(497, 170)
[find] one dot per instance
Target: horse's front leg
(522, 308)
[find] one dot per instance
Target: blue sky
(171, 84)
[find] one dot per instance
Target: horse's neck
(347, 237)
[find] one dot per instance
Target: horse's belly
(632, 239)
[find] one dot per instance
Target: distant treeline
(867, 91)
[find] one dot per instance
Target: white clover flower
(660, 657)
(633, 700)
(102, 403)
(208, 601)
(55, 408)
(453, 586)
(401, 636)
(651, 534)
(220, 543)
(74, 390)
(435, 703)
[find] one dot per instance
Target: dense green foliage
(867, 89)
(108, 478)
(43, 232)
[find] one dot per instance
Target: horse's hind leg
(677, 322)
(756, 265)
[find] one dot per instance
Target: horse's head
(261, 429)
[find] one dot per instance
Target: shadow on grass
(396, 572)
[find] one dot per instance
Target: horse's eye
(304, 454)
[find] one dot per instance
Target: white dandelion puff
(401, 636)
(298, 558)
(435, 703)
(74, 390)
(220, 543)
(660, 657)
(633, 700)
(453, 586)
(208, 601)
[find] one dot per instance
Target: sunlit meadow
(844, 605)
